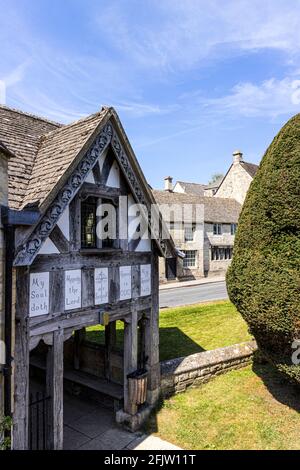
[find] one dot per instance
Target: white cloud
(271, 98)
(187, 32)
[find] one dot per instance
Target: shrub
(264, 278)
(5, 427)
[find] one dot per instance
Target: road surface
(191, 295)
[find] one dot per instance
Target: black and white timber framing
(57, 282)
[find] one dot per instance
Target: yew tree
(264, 278)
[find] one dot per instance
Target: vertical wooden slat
(152, 336)
(75, 224)
(110, 341)
(54, 386)
(79, 336)
(130, 358)
(87, 287)
(21, 364)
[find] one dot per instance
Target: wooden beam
(152, 337)
(79, 336)
(21, 387)
(85, 317)
(77, 260)
(96, 173)
(107, 165)
(130, 358)
(75, 224)
(110, 341)
(99, 190)
(59, 240)
(54, 386)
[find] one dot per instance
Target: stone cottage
(207, 237)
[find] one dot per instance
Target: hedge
(264, 278)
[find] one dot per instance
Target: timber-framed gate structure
(60, 286)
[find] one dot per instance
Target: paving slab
(113, 439)
(73, 439)
(95, 423)
(150, 442)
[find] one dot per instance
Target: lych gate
(67, 277)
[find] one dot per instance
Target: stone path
(88, 426)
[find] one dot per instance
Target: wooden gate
(38, 420)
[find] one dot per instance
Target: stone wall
(3, 201)
(195, 272)
(183, 372)
(216, 267)
(236, 184)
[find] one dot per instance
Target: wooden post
(79, 336)
(142, 358)
(152, 337)
(130, 357)
(110, 342)
(21, 389)
(54, 385)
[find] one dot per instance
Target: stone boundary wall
(183, 372)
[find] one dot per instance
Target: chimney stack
(237, 156)
(168, 183)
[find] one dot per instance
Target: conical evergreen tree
(264, 278)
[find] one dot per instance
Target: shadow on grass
(277, 384)
(173, 342)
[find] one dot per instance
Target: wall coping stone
(204, 359)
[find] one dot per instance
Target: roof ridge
(249, 163)
(33, 116)
(190, 182)
(73, 123)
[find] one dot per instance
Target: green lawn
(191, 329)
(250, 408)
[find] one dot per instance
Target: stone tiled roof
(42, 149)
(193, 188)
(21, 133)
(251, 168)
(57, 150)
(216, 209)
(215, 184)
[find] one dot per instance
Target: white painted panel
(132, 223)
(72, 289)
(64, 223)
(102, 158)
(38, 294)
(125, 282)
(48, 248)
(101, 286)
(144, 245)
(113, 179)
(145, 279)
(90, 177)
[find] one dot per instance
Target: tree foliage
(264, 278)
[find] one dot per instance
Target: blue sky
(192, 80)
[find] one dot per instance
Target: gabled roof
(216, 209)
(57, 151)
(44, 157)
(215, 184)
(21, 134)
(251, 168)
(192, 188)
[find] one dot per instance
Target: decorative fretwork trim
(27, 252)
(135, 187)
